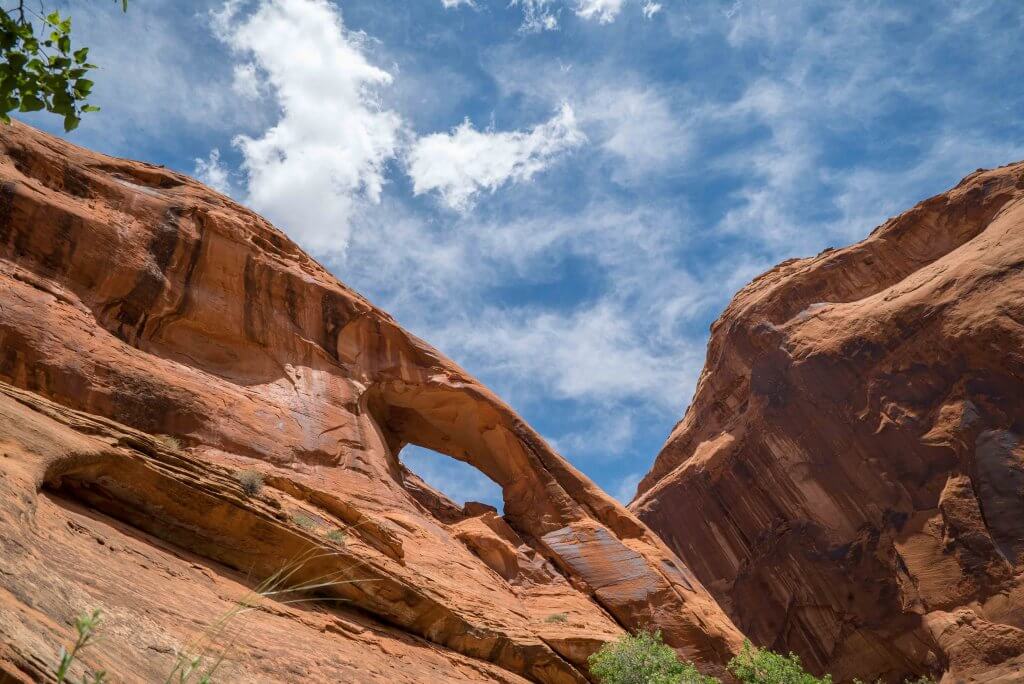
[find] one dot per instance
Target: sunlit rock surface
(848, 481)
(157, 340)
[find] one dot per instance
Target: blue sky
(562, 195)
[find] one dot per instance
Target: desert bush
(169, 441)
(556, 618)
(761, 666)
(305, 521)
(251, 481)
(643, 659)
(336, 535)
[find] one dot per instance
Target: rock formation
(158, 345)
(848, 481)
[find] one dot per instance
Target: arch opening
(458, 482)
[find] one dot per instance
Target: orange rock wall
(157, 340)
(848, 481)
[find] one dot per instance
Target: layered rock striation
(848, 480)
(160, 346)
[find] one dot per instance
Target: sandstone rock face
(156, 342)
(848, 481)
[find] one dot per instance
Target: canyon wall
(160, 345)
(848, 480)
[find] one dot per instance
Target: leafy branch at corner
(39, 68)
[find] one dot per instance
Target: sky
(561, 195)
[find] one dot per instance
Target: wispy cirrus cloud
(602, 11)
(545, 15)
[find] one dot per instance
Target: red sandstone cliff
(849, 479)
(156, 340)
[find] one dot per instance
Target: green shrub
(305, 521)
(643, 659)
(251, 481)
(556, 618)
(761, 666)
(336, 535)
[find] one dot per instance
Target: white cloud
(651, 8)
(327, 152)
(538, 15)
(448, 4)
(213, 173)
(644, 127)
(603, 11)
(640, 127)
(247, 81)
(465, 162)
(590, 354)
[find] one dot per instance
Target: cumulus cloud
(327, 152)
(461, 164)
(213, 173)
(247, 81)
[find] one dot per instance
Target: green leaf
(30, 103)
(16, 60)
(90, 108)
(71, 122)
(81, 55)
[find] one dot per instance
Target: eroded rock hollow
(157, 342)
(848, 481)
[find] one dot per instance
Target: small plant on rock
(251, 481)
(337, 536)
(557, 618)
(643, 659)
(86, 626)
(761, 666)
(169, 441)
(305, 521)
